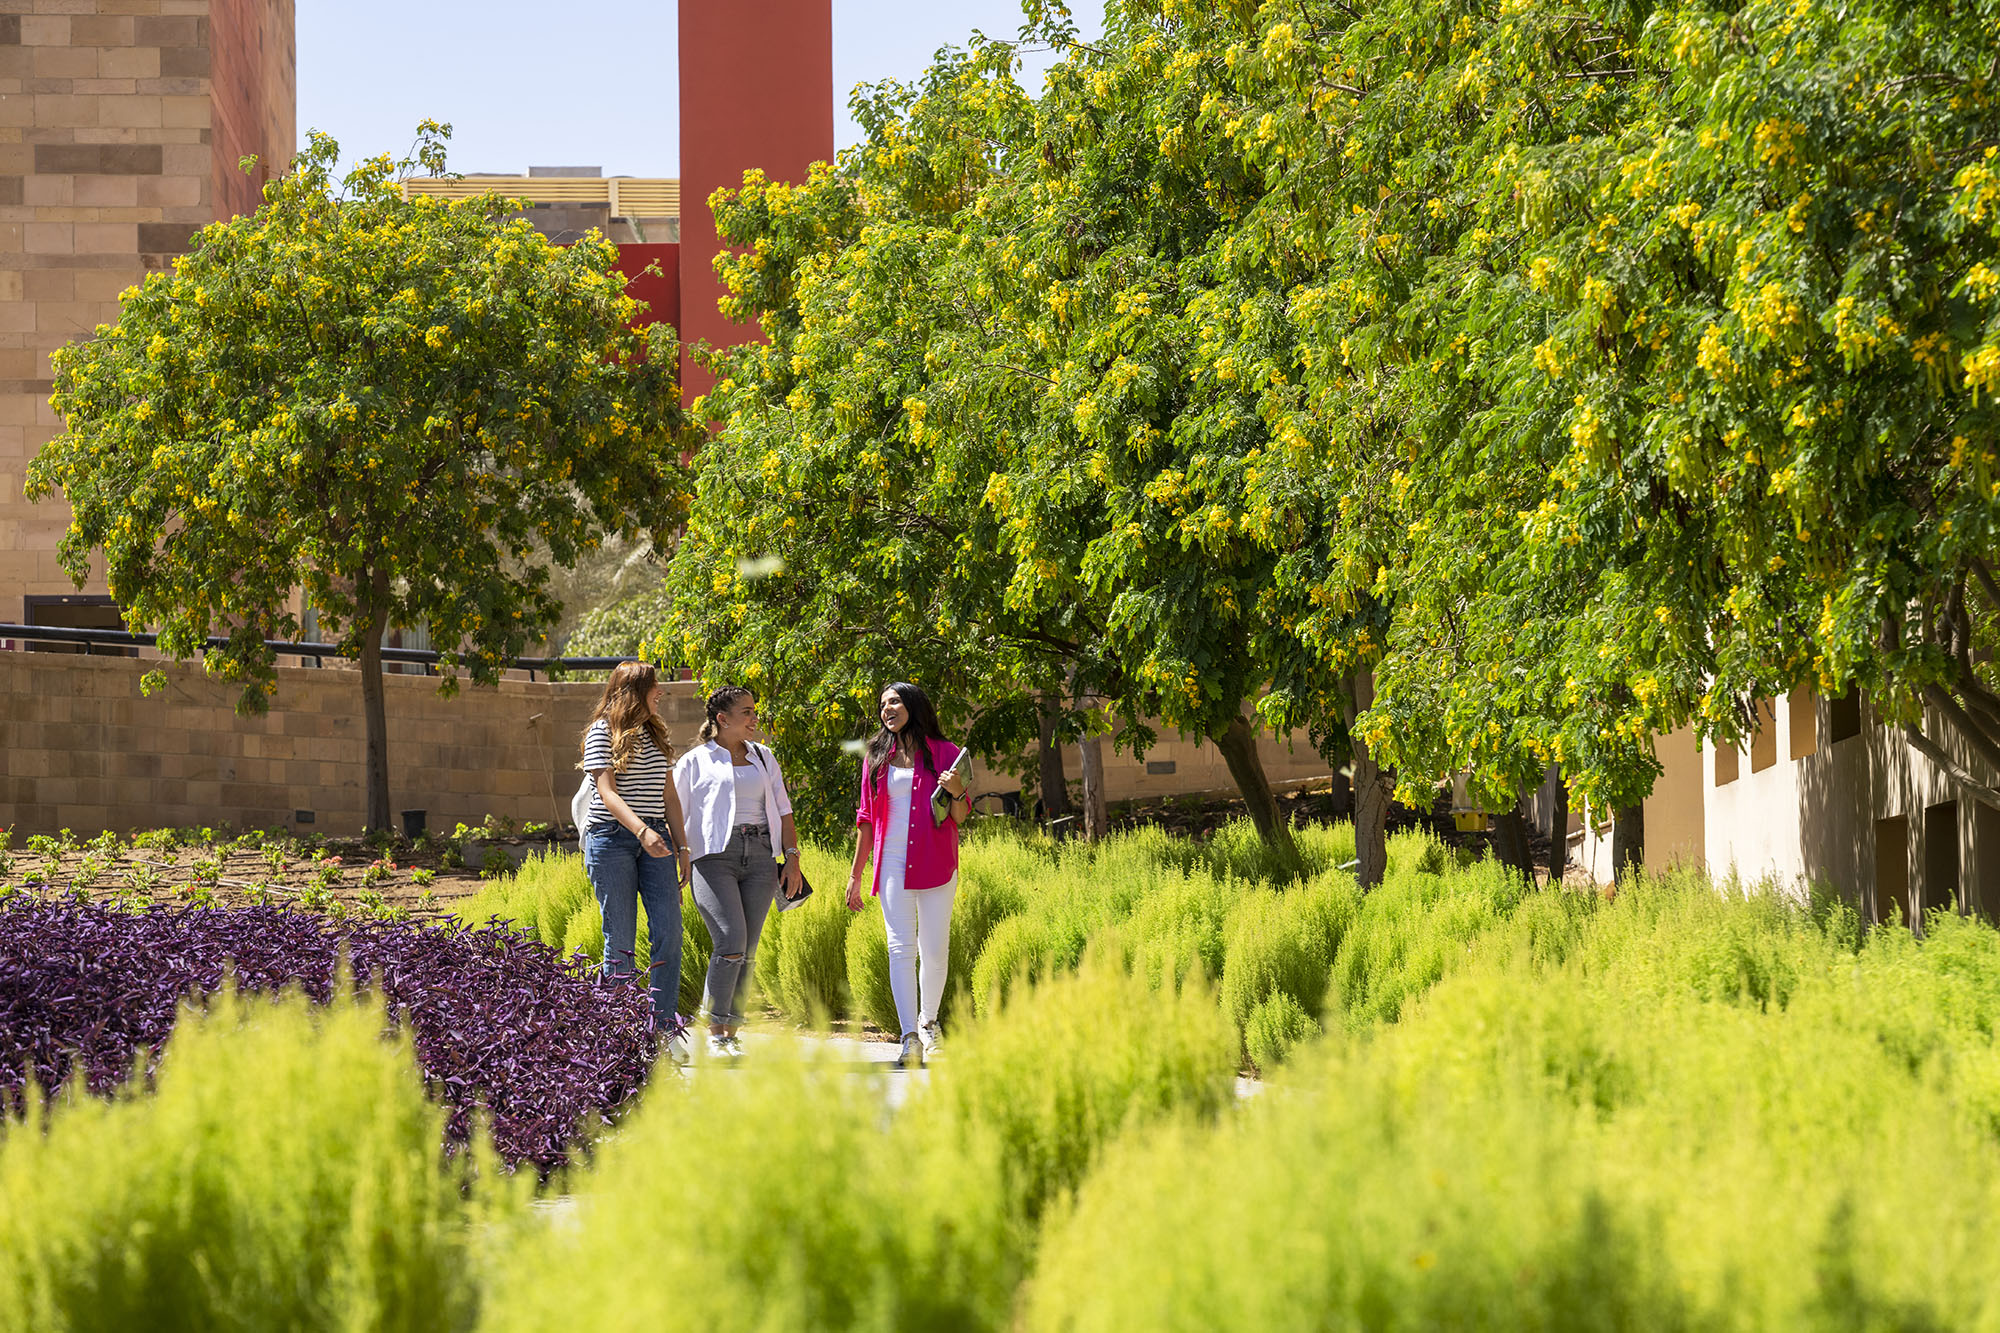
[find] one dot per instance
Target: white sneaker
(932, 1036)
(718, 1047)
(735, 1047)
(912, 1054)
(677, 1048)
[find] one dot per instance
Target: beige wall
(84, 750)
(106, 169)
(1813, 818)
(1197, 768)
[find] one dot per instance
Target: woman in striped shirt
(626, 849)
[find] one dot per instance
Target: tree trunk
(1054, 783)
(1340, 795)
(1559, 832)
(1510, 841)
(1096, 811)
(374, 717)
(1628, 840)
(1372, 788)
(1238, 743)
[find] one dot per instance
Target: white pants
(919, 922)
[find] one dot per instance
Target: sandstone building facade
(121, 126)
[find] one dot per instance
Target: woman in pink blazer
(916, 858)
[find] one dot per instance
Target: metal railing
(424, 657)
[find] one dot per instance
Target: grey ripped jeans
(733, 889)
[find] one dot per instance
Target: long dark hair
(922, 725)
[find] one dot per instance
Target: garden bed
(382, 876)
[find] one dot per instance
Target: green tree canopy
(409, 409)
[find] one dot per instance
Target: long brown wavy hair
(624, 707)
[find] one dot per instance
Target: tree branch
(1986, 581)
(1975, 735)
(1924, 746)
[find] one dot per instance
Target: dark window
(1892, 870)
(1986, 858)
(1843, 717)
(1941, 857)
(79, 612)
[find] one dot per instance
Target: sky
(597, 90)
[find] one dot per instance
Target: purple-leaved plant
(501, 1022)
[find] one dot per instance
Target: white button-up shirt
(705, 778)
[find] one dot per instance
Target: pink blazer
(933, 848)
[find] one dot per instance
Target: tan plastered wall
(85, 750)
(1813, 819)
(1676, 816)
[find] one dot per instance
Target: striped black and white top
(643, 784)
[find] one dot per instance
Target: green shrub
(1018, 952)
(1069, 1063)
(1274, 1027)
(868, 988)
(812, 957)
(1415, 928)
(1177, 931)
(1285, 943)
(285, 1173)
(770, 1199)
(1557, 1151)
(985, 899)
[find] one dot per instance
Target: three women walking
(724, 820)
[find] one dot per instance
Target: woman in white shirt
(733, 795)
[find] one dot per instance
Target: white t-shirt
(643, 784)
(896, 840)
(749, 794)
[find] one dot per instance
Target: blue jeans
(623, 876)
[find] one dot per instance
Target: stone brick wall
(107, 166)
(84, 750)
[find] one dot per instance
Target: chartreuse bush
(1417, 925)
(867, 948)
(1064, 1066)
(284, 1172)
(1648, 1134)
(780, 1196)
(1283, 944)
(775, 1198)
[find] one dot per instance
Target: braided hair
(719, 703)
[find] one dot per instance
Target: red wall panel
(756, 91)
(252, 96)
(660, 291)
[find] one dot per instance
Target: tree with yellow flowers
(410, 409)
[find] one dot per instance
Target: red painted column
(756, 91)
(662, 291)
